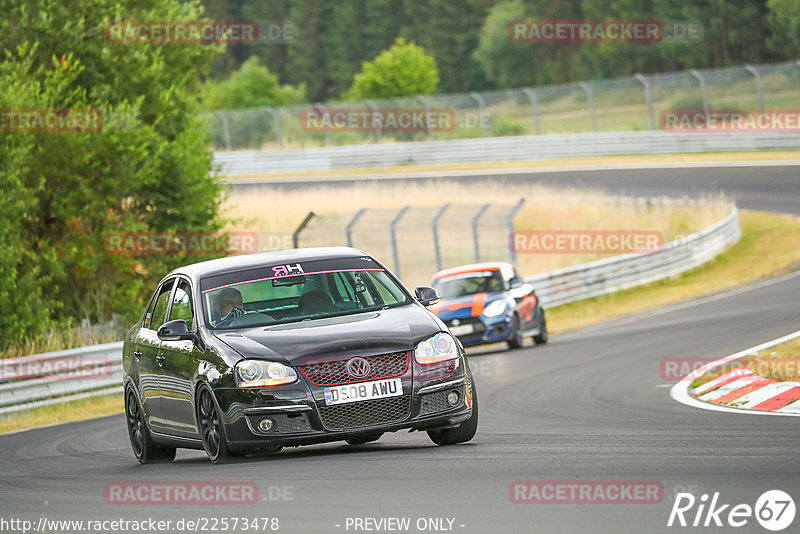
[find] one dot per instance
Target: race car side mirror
(176, 330)
(426, 295)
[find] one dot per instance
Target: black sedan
(287, 348)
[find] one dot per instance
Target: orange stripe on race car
(448, 273)
(478, 304)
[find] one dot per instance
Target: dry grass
(60, 340)
(770, 244)
(281, 211)
(780, 363)
(66, 412)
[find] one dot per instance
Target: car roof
(474, 267)
(273, 257)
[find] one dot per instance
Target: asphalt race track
(589, 406)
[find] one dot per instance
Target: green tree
(784, 25)
(147, 169)
(734, 33)
(251, 86)
(450, 32)
(509, 63)
(403, 70)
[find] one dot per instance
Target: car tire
(542, 337)
(515, 341)
(212, 431)
(144, 448)
(364, 439)
(461, 433)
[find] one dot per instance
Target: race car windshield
(298, 295)
(469, 284)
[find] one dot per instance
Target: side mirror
(176, 330)
(515, 283)
(426, 295)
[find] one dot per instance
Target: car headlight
(438, 348)
(260, 373)
(495, 308)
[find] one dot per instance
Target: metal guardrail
(255, 163)
(630, 270)
(61, 376)
(83, 372)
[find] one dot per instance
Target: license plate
(377, 389)
(461, 329)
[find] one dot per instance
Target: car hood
(363, 334)
(464, 306)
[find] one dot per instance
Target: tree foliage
(251, 86)
(784, 22)
(403, 70)
(469, 39)
(146, 169)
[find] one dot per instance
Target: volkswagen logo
(358, 368)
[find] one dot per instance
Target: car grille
(365, 413)
(331, 373)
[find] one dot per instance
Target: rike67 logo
(774, 510)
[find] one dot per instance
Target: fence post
(392, 231)
(435, 227)
(276, 118)
(757, 75)
(374, 109)
(512, 249)
(648, 97)
(349, 228)
(482, 107)
(475, 221)
(296, 234)
(427, 105)
(328, 137)
(226, 131)
(531, 94)
(703, 92)
(590, 95)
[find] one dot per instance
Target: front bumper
(488, 330)
(485, 329)
(300, 416)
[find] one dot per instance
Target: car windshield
(469, 283)
(279, 294)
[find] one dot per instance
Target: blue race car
(488, 303)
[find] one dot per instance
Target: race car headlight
(495, 308)
(260, 373)
(438, 348)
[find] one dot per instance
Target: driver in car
(228, 305)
